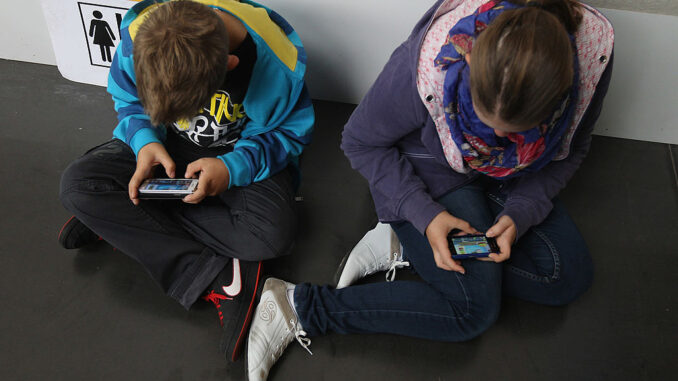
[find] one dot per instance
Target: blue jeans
(549, 265)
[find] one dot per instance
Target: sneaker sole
(248, 319)
(337, 274)
(340, 270)
(65, 229)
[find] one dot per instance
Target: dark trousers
(182, 246)
(549, 265)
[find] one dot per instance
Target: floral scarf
(482, 150)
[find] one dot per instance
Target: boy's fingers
(198, 194)
(170, 167)
(133, 187)
(195, 197)
(193, 168)
(160, 156)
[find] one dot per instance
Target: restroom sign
(101, 31)
(84, 36)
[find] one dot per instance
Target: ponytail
(567, 11)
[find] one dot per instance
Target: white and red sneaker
(234, 293)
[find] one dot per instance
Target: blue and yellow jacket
(278, 105)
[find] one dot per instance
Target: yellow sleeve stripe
(134, 25)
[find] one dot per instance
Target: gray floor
(93, 314)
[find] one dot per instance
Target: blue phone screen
(168, 185)
(471, 245)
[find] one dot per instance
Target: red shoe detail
(62, 228)
(216, 298)
(245, 326)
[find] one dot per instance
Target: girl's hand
(437, 231)
(213, 178)
(504, 231)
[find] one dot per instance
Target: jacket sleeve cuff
(419, 209)
(143, 137)
(524, 213)
(238, 169)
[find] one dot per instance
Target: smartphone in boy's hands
(471, 246)
(167, 188)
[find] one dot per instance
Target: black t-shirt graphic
(220, 123)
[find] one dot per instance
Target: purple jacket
(392, 141)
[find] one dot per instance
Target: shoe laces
(396, 263)
(216, 298)
(299, 335)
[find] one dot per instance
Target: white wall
(23, 33)
(348, 42)
(642, 102)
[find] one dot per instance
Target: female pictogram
(103, 35)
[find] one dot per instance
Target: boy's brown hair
(180, 57)
(522, 64)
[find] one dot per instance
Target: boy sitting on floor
(212, 89)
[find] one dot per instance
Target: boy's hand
(148, 157)
(437, 231)
(213, 178)
(504, 232)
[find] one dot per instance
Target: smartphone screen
(167, 188)
(472, 245)
(169, 185)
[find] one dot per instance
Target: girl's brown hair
(180, 56)
(522, 64)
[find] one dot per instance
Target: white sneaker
(378, 250)
(274, 326)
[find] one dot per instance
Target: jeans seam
(252, 228)
(468, 302)
(465, 316)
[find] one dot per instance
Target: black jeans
(182, 246)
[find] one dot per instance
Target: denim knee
(575, 277)
(71, 177)
(81, 184)
(572, 283)
(270, 239)
(481, 315)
